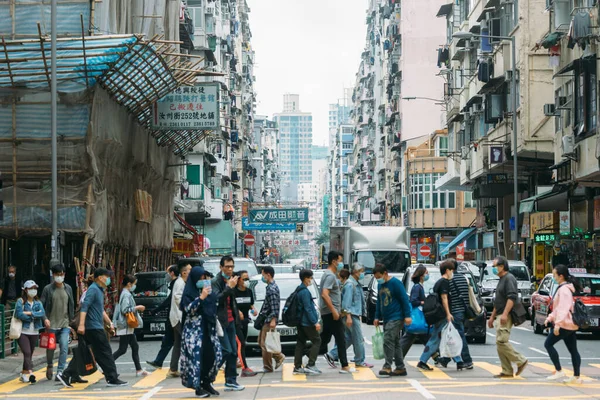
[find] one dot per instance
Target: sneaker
(522, 367)
(279, 363)
(330, 360)
(556, 376)
(65, 380)
(234, 387)
(312, 370)
(385, 372)
(79, 380)
(440, 362)
(116, 383)
(247, 373)
(201, 393)
(423, 366)
(299, 371)
(210, 389)
(574, 380)
(364, 365)
(32, 379)
(49, 373)
(173, 374)
(154, 364)
(399, 372)
(347, 370)
(143, 372)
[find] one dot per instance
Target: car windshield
(520, 272)
(434, 276)
(152, 285)
(590, 286)
(286, 287)
(283, 269)
(395, 261)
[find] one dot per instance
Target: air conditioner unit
(500, 228)
(568, 145)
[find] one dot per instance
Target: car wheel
(537, 328)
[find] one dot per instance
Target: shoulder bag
(16, 327)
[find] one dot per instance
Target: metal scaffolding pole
(53, 125)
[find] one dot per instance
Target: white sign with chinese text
(188, 108)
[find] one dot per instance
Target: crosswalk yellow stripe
(595, 365)
(436, 374)
(364, 374)
(491, 368)
(16, 384)
(220, 377)
(153, 379)
(92, 379)
(287, 372)
(550, 368)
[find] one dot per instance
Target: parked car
(489, 281)
(283, 269)
(212, 264)
(287, 283)
(475, 267)
(541, 301)
(151, 290)
(371, 297)
(260, 267)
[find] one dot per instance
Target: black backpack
(433, 309)
(580, 315)
(291, 314)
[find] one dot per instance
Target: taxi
(541, 300)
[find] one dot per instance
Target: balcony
(199, 205)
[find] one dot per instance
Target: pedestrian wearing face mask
(124, 331)
(30, 311)
(309, 327)
(245, 302)
(417, 299)
(10, 290)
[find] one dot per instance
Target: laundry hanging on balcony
(485, 70)
(443, 57)
(580, 30)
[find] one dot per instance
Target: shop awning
(554, 200)
(492, 85)
(464, 235)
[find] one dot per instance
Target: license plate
(594, 321)
(287, 331)
(157, 327)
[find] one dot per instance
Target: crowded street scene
(281, 200)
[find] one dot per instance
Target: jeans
(229, 346)
(97, 340)
(391, 344)
(408, 339)
(166, 345)
(336, 329)
(459, 324)
(506, 352)
(62, 339)
(126, 341)
(354, 337)
(177, 330)
(307, 333)
(27, 345)
(570, 339)
(433, 345)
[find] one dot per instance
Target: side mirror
(533, 279)
(544, 293)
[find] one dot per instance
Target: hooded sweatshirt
(562, 305)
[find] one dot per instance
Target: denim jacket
(126, 305)
(353, 298)
(37, 317)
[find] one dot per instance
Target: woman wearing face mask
(30, 311)
(126, 333)
(417, 299)
(201, 352)
(245, 302)
(564, 328)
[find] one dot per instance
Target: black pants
(166, 345)
(242, 333)
(97, 340)
(124, 342)
(307, 333)
(334, 328)
(570, 339)
(27, 345)
(208, 355)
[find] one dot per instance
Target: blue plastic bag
(418, 326)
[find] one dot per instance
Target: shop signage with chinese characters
(544, 237)
(278, 215)
(188, 108)
(543, 222)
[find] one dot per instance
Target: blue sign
(279, 215)
(252, 226)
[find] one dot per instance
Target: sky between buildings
(308, 47)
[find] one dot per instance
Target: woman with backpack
(563, 327)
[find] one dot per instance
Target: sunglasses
(246, 280)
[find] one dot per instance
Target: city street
(283, 385)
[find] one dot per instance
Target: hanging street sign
(250, 226)
(279, 215)
(188, 108)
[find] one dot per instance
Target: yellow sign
(542, 222)
(183, 246)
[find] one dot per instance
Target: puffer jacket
(562, 306)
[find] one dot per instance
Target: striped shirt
(459, 292)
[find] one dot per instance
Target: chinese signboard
(183, 246)
(251, 226)
(188, 107)
(542, 222)
(565, 222)
(286, 242)
(279, 215)
(544, 237)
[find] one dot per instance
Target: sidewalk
(11, 366)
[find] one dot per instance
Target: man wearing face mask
(10, 290)
(269, 312)
(176, 318)
(58, 301)
(245, 302)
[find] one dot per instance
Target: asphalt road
(283, 385)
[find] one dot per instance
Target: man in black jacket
(10, 290)
(167, 342)
(228, 316)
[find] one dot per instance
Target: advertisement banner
(488, 240)
(565, 222)
(278, 215)
(460, 251)
(250, 226)
(188, 108)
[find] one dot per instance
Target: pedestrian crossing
(536, 372)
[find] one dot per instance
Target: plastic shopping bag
(48, 340)
(273, 342)
(451, 344)
(418, 326)
(377, 339)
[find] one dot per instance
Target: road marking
(367, 341)
(364, 374)
(595, 365)
(550, 368)
(153, 379)
(513, 342)
(491, 334)
(288, 374)
(419, 388)
(220, 377)
(522, 329)
(92, 379)
(151, 393)
(538, 351)
(436, 374)
(491, 368)
(16, 384)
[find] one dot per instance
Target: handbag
(132, 319)
(259, 322)
(48, 340)
(86, 363)
(418, 326)
(273, 342)
(16, 327)
(473, 299)
(518, 314)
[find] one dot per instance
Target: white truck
(372, 245)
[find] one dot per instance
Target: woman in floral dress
(200, 347)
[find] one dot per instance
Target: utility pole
(53, 126)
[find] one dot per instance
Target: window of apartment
(441, 146)
(465, 8)
(473, 61)
(451, 138)
(557, 120)
(424, 196)
(469, 202)
(568, 106)
(586, 103)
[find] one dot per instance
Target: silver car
(287, 283)
(489, 281)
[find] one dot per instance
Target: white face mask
(59, 279)
(132, 288)
(247, 284)
(32, 292)
(11, 275)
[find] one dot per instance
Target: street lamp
(421, 98)
(513, 89)
(53, 134)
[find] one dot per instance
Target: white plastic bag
(451, 344)
(273, 342)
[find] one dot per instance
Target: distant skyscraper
(295, 145)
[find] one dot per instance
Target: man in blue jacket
(393, 308)
(309, 327)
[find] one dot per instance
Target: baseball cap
(29, 284)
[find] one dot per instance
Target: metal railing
(7, 346)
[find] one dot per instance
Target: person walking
(175, 317)
(442, 289)
(353, 304)
(417, 299)
(228, 316)
(124, 331)
(201, 352)
(11, 288)
(309, 327)
(394, 309)
(507, 294)
(563, 326)
(331, 312)
(269, 312)
(30, 311)
(59, 303)
(167, 341)
(92, 319)
(244, 298)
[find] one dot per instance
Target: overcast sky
(308, 47)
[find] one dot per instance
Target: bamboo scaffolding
(85, 68)
(44, 54)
